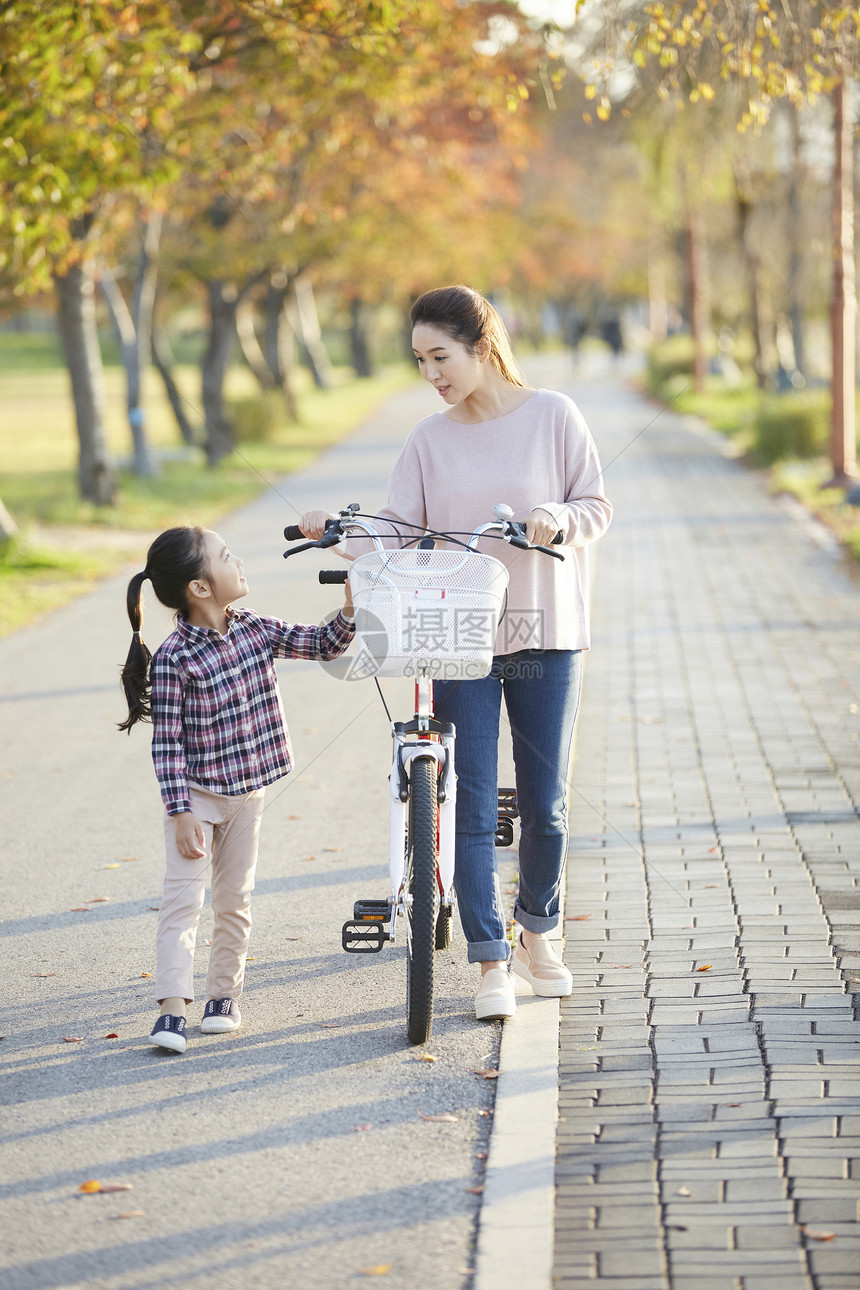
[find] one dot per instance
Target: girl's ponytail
(135, 672)
(174, 560)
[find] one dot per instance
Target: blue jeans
(541, 689)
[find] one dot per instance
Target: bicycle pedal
(363, 937)
(371, 911)
(508, 803)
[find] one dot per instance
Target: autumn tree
(87, 94)
(766, 51)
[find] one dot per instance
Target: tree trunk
(223, 299)
(844, 301)
(77, 327)
(310, 333)
(359, 339)
(695, 253)
(657, 311)
(761, 317)
(161, 359)
(142, 306)
(8, 527)
(254, 356)
(279, 341)
(795, 239)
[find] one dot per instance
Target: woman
(500, 440)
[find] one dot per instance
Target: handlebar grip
(293, 533)
(547, 550)
(333, 576)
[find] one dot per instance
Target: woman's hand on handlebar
(313, 523)
(541, 528)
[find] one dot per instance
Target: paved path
(709, 1084)
(292, 1153)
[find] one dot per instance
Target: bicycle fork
(365, 933)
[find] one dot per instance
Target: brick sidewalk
(709, 1063)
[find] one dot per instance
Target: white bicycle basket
(433, 609)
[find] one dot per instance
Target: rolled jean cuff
(533, 922)
(489, 951)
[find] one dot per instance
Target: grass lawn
(65, 545)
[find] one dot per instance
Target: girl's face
(224, 570)
(447, 363)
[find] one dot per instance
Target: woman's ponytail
(135, 672)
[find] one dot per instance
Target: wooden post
(843, 306)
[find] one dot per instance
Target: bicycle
(460, 592)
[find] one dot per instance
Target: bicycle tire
(422, 893)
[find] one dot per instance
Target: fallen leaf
(129, 1213)
(711, 851)
(330, 1025)
(475, 1191)
(98, 900)
(144, 976)
(91, 1185)
(80, 909)
(292, 938)
(73, 1039)
(619, 965)
(485, 1112)
(251, 958)
(332, 848)
(425, 1057)
(112, 1035)
(112, 866)
(576, 918)
(361, 1128)
(708, 885)
(129, 859)
(480, 1155)
(706, 967)
(683, 1191)
(294, 817)
(43, 974)
(733, 1103)
(156, 908)
(380, 1270)
(441, 1119)
(487, 1074)
(309, 857)
(817, 1236)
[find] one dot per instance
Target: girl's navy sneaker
(169, 1032)
(220, 1015)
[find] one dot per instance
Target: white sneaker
(219, 1016)
(495, 1000)
(542, 968)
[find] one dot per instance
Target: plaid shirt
(216, 709)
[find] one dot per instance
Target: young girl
(219, 738)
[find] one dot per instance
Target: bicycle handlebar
(512, 531)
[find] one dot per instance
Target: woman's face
(446, 363)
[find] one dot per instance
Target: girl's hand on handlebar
(313, 523)
(541, 528)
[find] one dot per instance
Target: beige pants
(232, 829)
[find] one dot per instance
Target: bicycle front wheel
(422, 899)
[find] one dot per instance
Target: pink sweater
(449, 476)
